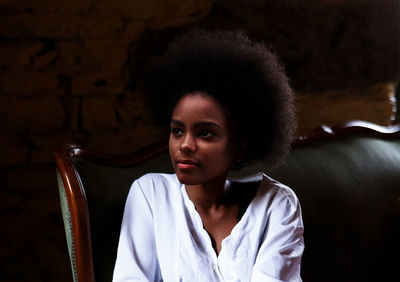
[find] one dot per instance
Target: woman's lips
(186, 164)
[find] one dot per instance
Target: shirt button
(214, 267)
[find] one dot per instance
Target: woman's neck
(208, 196)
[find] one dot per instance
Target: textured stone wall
(63, 78)
(70, 71)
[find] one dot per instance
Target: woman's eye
(206, 133)
(176, 131)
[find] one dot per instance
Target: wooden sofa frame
(73, 195)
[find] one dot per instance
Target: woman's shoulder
(270, 190)
(157, 179)
(153, 185)
(278, 193)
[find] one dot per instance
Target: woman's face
(200, 142)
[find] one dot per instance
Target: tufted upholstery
(347, 180)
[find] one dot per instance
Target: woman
(228, 104)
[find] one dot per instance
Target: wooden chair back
(93, 188)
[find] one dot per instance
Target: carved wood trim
(79, 216)
(81, 153)
(351, 128)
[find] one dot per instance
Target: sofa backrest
(349, 190)
(348, 186)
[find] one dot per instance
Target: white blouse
(162, 236)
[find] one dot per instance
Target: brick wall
(70, 71)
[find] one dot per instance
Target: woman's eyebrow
(176, 122)
(198, 124)
(207, 124)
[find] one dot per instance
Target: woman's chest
(198, 260)
(219, 226)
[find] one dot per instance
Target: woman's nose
(188, 144)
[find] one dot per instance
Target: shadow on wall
(324, 45)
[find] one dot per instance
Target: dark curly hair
(244, 76)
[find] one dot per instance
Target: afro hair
(244, 76)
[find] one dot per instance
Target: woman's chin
(187, 179)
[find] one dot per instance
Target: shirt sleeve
(136, 255)
(282, 245)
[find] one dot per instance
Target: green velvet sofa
(347, 179)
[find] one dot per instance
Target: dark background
(71, 71)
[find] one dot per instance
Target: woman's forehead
(200, 109)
